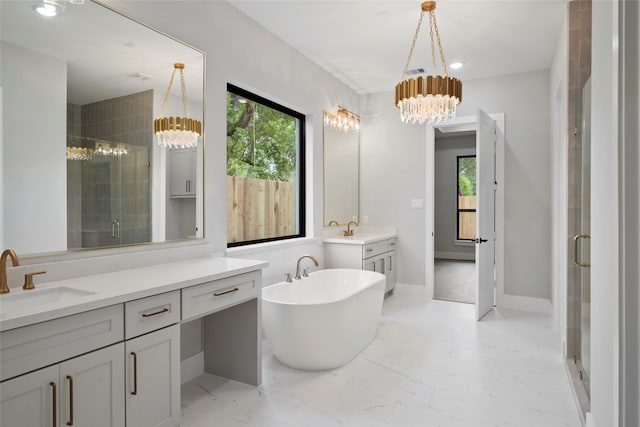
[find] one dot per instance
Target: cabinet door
(92, 392)
(390, 270)
(369, 264)
(153, 379)
(182, 173)
(30, 399)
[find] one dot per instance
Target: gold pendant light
(177, 132)
(430, 98)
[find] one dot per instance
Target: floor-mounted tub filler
(322, 321)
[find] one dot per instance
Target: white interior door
(485, 212)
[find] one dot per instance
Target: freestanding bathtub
(324, 320)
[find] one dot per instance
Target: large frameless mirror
(81, 167)
(341, 175)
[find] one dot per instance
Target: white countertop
(361, 235)
(124, 285)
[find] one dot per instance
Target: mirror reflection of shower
(108, 190)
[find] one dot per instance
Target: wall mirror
(341, 175)
(81, 167)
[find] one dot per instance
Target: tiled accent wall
(579, 73)
(118, 188)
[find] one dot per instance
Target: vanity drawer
(213, 296)
(374, 248)
(151, 313)
(42, 344)
(391, 244)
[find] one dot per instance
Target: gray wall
(27, 122)
(447, 149)
(393, 172)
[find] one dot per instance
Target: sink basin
(32, 300)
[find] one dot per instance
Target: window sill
(464, 243)
(262, 247)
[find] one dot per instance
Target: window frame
(300, 158)
(458, 210)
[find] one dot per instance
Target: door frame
(465, 123)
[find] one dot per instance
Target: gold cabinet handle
(218, 294)
(54, 406)
(70, 379)
(164, 310)
(135, 373)
(576, 239)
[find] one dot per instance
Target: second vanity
(105, 349)
(370, 248)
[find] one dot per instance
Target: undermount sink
(31, 300)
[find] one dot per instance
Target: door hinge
(575, 131)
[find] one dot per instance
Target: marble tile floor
(431, 364)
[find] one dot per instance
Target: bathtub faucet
(311, 257)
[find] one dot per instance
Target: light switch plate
(417, 203)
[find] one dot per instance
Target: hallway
(455, 280)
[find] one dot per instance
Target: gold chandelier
(344, 120)
(177, 132)
(429, 98)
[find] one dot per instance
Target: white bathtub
(324, 320)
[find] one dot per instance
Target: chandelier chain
(444, 63)
(433, 48)
(185, 101)
(166, 95)
(413, 45)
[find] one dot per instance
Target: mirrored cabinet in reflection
(81, 167)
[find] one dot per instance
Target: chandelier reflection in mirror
(429, 98)
(86, 148)
(177, 132)
(344, 120)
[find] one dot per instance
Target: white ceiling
(365, 44)
(107, 54)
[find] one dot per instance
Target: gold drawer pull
(135, 373)
(164, 310)
(218, 294)
(70, 422)
(55, 406)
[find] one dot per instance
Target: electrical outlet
(417, 203)
(365, 219)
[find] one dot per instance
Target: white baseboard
(590, 422)
(464, 256)
(192, 367)
(531, 304)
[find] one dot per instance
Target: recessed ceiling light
(456, 65)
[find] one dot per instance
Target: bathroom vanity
(371, 249)
(105, 349)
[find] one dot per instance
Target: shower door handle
(576, 239)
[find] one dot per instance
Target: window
(265, 170)
(466, 200)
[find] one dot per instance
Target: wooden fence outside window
(259, 209)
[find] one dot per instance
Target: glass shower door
(582, 241)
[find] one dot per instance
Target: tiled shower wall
(74, 182)
(115, 188)
(579, 73)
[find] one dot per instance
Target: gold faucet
(4, 289)
(333, 222)
(349, 232)
(312, 258)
